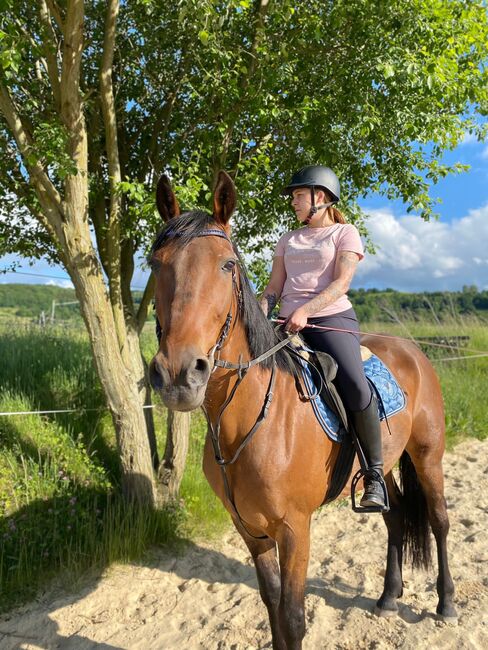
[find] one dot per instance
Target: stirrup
(377, 477)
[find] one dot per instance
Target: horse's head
(195, 268)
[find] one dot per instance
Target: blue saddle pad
(392, 397)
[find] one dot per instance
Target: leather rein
(242, 368)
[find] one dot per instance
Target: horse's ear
(166, 200)
(224, 198)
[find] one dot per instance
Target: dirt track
(208, 598)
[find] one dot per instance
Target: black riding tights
(351, 381)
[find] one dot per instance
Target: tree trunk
(173, 465)
(120, 383)
(141, 375)
(65, 211)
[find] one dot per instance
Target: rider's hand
(296, 321)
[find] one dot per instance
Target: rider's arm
(270, 296)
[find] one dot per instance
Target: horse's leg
(294, 548)
(431, 478)
(393, 585)
(263, 552)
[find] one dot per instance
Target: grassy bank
(59, 475)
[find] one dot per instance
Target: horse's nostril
(198, 372)
(201, 365)
(155, 375)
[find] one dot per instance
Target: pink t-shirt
(309, 256)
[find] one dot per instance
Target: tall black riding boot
(368, 430)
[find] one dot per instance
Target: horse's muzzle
(183, 390)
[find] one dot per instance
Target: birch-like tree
(98, 97)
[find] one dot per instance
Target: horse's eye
(229, 265)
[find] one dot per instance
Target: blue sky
(443, 254)
(412, 255)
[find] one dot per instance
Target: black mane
(260, 334)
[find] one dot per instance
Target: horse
(265, 456)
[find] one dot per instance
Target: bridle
(242, 368)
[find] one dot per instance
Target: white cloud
(413, 255)
(484, 153)
(64, 284)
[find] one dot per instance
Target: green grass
(60, 505)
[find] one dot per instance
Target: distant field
(59, 502)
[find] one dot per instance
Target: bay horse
(214, 344)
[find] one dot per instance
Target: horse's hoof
(385, 613)
(447, 614)
(451, 620)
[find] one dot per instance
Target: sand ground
(207, 598)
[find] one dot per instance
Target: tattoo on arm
(268, 302)
(326, 297)
(347, 263)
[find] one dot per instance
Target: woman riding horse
(312, 270)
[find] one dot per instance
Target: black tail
(416, 538)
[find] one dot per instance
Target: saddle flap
(328, 365)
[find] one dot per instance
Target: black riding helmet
(315, 176)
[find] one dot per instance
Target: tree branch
(110, 121)
(71, 111)
(162, 120)
(41, 181)
(261, 9)
(55, 12)
(113, 252)
(147, 296)
(19, 186)
(51, 61)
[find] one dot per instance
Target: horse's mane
(260, 334)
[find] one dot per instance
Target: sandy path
(208, 598)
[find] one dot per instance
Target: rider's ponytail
(337, 215)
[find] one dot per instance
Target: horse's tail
(416, 536)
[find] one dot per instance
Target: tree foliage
(376, 90)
